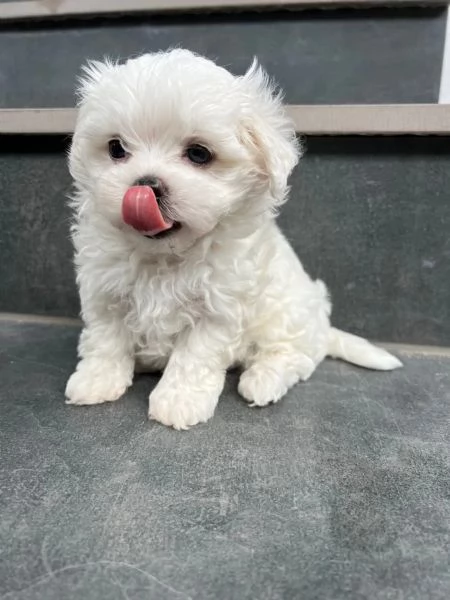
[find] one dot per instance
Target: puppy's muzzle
(157, 185)
(143, 208)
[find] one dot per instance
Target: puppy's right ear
(93, 72)
(89, 91)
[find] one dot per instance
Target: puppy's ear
(91, 74)
(268, 132)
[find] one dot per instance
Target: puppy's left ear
(268, 132)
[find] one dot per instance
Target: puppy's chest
(161, 304)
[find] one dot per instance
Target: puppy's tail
(360, 352)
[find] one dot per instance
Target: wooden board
(362, 119)
(32, 9)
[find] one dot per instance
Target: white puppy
(179, 170)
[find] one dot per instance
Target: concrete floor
(341, 491)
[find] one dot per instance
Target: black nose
(156, 184)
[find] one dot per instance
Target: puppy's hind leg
(272, 372)
(291, 338)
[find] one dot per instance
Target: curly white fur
(226, 288)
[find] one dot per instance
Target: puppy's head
(168, 146)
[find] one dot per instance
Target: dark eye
(116, 150)
(198, 154)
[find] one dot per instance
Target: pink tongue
(140, 210)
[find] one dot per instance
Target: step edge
(38, 9)
(19, 318)
(415, 349)
(309, 119)
(400, 347)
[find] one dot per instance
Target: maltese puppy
(179, 170)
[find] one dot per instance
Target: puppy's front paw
(181, 408)
(95, 382)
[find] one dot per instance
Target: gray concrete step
(327, 57)
(368, 215)
(341, 491)
(378, 206)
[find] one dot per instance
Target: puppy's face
(212, 147)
